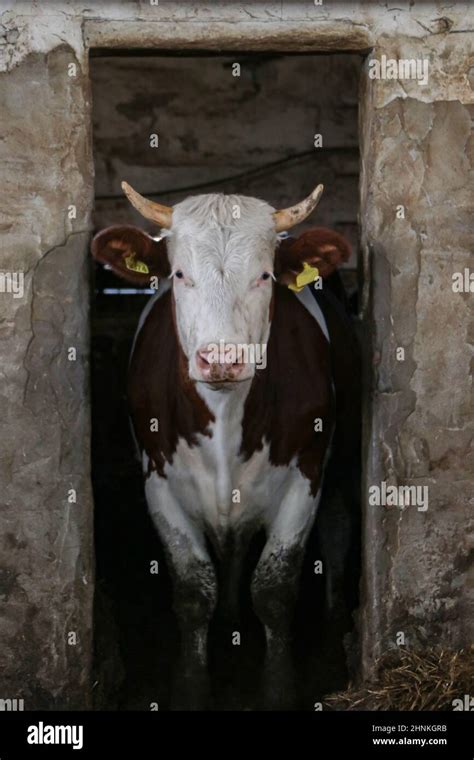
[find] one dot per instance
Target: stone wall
(46, 576)
(415, 152)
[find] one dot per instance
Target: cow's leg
(275, 589)
(194, 592)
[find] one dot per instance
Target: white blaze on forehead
(228, 230)
(222, 244)
(202, 210)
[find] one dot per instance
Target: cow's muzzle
(217, 367)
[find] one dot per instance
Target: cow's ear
(131, 254)
(318, 248)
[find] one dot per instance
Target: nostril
(203, 356)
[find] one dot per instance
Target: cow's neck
(227, 408)
(220, 451)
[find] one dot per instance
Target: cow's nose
(218, 368)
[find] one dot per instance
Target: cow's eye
(265, 276)
(179, 274)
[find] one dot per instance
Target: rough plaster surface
(46, 563)
(415, 151)
(418, 577)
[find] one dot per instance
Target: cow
(230, 445)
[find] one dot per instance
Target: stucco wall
(415, 152)
(46, 561)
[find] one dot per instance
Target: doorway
(268, 125)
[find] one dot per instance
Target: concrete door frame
(109, 36)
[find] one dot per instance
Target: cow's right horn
(286, 218)
(162, 215)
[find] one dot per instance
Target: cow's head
(224, 258)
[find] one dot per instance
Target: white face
(222, 270)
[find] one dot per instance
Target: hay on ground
(412, 680)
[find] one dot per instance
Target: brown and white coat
(228, 449)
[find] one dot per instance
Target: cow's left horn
(149, 209)
(286, 218)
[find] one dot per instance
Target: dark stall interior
(252, 134)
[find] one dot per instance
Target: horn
(286, 218)
(149, 209)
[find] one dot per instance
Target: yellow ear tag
(135, 266)
(307, 275)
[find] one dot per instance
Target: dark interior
(217, 147)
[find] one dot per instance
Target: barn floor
(136, 634)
